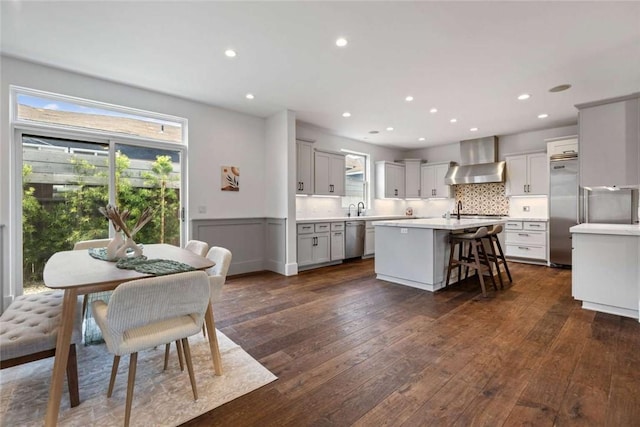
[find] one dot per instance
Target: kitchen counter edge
(613, 229)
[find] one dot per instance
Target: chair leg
(133, 360)
(496, 261)
(85, 301)
(477, 262)
(72, 377)
(187, 358)
(452, 249)
(460, 254)
(504, 261)
(485, 261)
(167, 347)
(114, 371)
(204, 331)
(180, 357)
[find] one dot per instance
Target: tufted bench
(29, 330)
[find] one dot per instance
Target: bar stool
(498, 258)
(477, 258)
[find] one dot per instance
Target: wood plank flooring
(349, 349)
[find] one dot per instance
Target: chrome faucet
(459, 208)
(349, 213)
(360, 211)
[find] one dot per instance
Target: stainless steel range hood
(478, 163)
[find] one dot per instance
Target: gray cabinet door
(305, 249)
(321, 250)
(337, 245)
(304, 164)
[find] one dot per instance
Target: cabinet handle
(568, 151)
(523, 234)
(534, 225)
(523, 248)
(302, 186)
(524, 188)
(306, 227)
(323, 226)
(337, 234)
(433, 192)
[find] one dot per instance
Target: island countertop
(615, 229)
(441, 223)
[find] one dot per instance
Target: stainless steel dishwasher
(354, 239)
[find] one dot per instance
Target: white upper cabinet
(527, 175)
(390, 180)
(609, 133)
(329, 173)
(412, 177)
(304, 172)
(432, 180)
(566, 145)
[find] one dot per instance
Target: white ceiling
(470, 60)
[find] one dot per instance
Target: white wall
(217, 137)
(313, 207)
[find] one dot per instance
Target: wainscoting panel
(256, 243)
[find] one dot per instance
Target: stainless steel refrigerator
(570, 205)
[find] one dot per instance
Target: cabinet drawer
(337, 226)
(535, 225)
(526, 238)
(522, 251)
(305, 228)
(323, 227)
(513, 225)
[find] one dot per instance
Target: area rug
(161, 398)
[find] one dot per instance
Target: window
(62, 111)
(356, 179)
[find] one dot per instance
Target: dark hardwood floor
(349, 349)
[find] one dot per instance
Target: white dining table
(78, 273)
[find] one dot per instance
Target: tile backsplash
(487, 199)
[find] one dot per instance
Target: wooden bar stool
(497, 258)
(476, 259)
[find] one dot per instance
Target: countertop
(614, 229)
(440, 223)
(510, 218)
(352, 218)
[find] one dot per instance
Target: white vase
(113, 246)
(129, 244)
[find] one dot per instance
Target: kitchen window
(356, 165)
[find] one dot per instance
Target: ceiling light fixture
(409, 98)
(560, 88)
(249, 96)
(230, 53)
(433, 110)
(421, 139)
(346, 114)
(473, 129)
(543, 116)
(389, 128)
(341, 42)
(524, 96)
(453, 120)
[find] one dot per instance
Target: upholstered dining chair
(197, 247)
(145, 313)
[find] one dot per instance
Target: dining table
(78, 273)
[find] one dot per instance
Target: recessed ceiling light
(230, 53)
(543, 116)
(341, 42)
(524, 96)
(389, 128)
(473, 129)
(421, 139)
(433, 110)
(453, 120)
(249, 96)
(409, 98)
(560, 88)
(346, 114)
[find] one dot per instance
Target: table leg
(213, 340)
(62, 355)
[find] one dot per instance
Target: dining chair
(197, 247)
(146, 313)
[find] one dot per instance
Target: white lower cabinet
(369, 239)
(320, 243)
(526, 240)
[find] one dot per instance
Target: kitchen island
(415, 252)
(606, 267)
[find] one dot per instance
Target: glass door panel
(150, 177)
(63, 183)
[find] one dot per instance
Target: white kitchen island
(606, 267)
(415, 252)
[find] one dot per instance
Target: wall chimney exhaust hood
(478, 163)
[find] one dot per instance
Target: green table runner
(157, 267)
